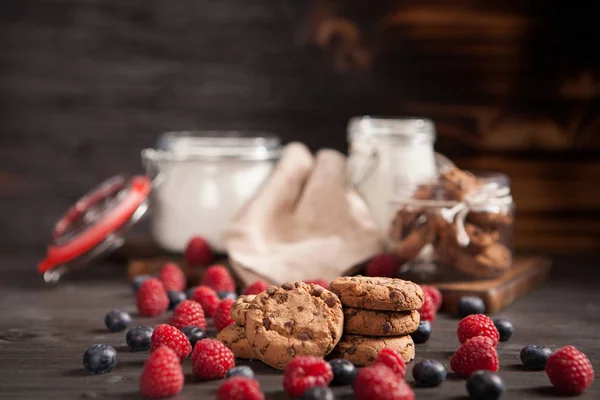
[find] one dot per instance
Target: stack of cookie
(294, 319)
(378, 313)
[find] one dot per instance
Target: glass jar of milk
(389, 158)
(201, 179)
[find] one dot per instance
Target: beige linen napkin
(303, 224)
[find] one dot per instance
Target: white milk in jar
(202, 179)
(389, 157)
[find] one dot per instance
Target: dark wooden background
(512, 86)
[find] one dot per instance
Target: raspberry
(172, 277)
(218, 278)
(198, 252)
(428, 310)
(222, 318)
(240, 388)
(383, 265)
(569, 370)
(304, 372)
(162, 375)
(379, 382)
(188, 313)
(475, 354)
(393, 360)
(257, 287)
(167, 335)
(208, 299)
(435, 294)
(477, 325)
(211, 359)
(151, 298)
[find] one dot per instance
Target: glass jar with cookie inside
(458, 227)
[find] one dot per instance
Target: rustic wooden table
(45, 330)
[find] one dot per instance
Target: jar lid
(215, 145)
(391, 128)
(95, 224)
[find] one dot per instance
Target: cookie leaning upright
(239, 308)
(234, 335)
(372, 293)
(295, 319)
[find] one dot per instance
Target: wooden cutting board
(526, 274)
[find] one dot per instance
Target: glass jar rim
(390, 128)
(488, 176)
(213, 145)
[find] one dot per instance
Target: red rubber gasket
(59, 254)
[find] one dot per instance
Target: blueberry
(227, 295)
(423, 332)
(138, 280)
(242, 370)
(100, 359)
(505, 329)
(194, 334)
(318, 393)
(190, 292)
(470, 305)
(138, 338)
(535, 357)
(175, 297)
(485, 385)
(344, 372)
(117, 320)
(429, 373)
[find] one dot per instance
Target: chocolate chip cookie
(239, 308)
(362, 350)
(380, 323)
(292, 320)
(234, 337)
(458, 183)
(479, 238)
(378, 293)
(491, 220)
(490, 262)
(411, 245)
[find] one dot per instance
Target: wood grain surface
(526, 274)
(45, 330)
